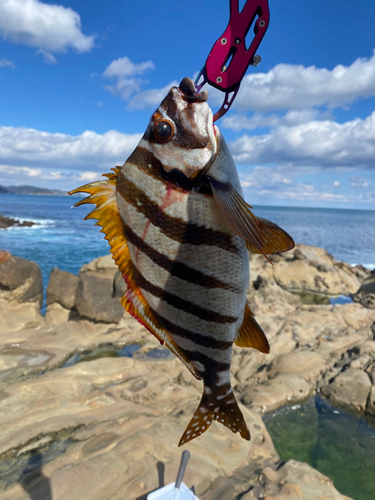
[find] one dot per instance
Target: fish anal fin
(136, 305)
(225, 411)
(250, 333)
(276, 240)
(102, 194)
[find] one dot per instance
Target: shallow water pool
(332, 441)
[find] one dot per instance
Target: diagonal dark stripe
(173, 227)
(175, 268)
(197, 338)
(182, 304)
(208, 362)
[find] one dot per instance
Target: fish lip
(188, 91)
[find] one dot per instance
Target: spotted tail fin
(225, 411)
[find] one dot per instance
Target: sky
(79, 80)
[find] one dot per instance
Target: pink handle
(229, 58)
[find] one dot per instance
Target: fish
(180, 231)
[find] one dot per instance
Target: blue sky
(79, 80)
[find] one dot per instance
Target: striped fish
(179, 231)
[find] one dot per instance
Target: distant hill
(31, 190)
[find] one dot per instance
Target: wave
(38, 223)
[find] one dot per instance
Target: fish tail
(225, 411)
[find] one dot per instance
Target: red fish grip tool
(229, 58)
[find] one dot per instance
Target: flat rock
(118, 429)
(57, 314)
(350, 388)
(19, 316)
(306, 364)
(281, 390)
(309, 269)
(293, 480)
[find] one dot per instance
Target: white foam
(38, 224)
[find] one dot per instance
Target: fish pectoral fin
(237, 213)
(261, 235)
(276, 240)
(225, 411)
(250, 333)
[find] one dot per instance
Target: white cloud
(89, 150)
(359, 182)
(316, 143)
(48, 57)
(5, 63)
(151, 98)
(296, 87)
(124, 70)
(238, 122)
(8, 171)
(336, 184)
(64, 180)
(280, 183)
(51, 28)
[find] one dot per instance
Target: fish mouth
(189, 94)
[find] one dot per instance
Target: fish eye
(163, 130)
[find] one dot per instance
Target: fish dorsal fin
(103, 196)
(250, 333)
(276, 240)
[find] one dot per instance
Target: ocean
(63, 239)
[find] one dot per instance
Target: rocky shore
(78, 421)
(6, 222)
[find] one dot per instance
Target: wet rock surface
(100, 402)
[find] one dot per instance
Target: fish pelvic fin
(250, 334)
(225, 411)
(103, 196)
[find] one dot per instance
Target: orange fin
(250, 333)
(237, 214)
(225, 411)
(276, 240)
(103, 195)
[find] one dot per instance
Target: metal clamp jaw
(229, 58)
